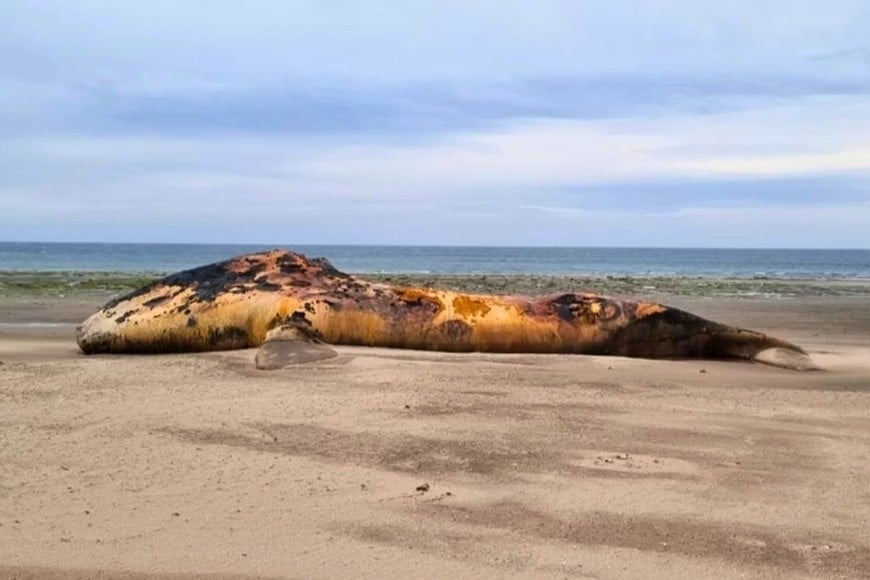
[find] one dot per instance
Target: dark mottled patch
(289, 264)
(566, 307)
(255, 269)
(277, 321)
(156, 301)
(421, 303)
(228, 337)
(349, 285)
(299, 319)
(568, 299)
(670, 333)
(328, 269)
(265, 285)
(191, 321)
(208, 282)
(565, 312)
(125, 316)
(594, 309)
(308, 307)
(456, 331)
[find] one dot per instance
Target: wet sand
(200, 466)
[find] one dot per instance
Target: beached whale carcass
(289, 303)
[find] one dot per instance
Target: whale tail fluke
(764, 349)
(787, 358)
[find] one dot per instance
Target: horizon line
(397, 245)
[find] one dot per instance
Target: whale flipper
(288, 345)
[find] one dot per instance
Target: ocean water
(745, 263)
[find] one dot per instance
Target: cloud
(857, 160)
(493, 122)
(779, 141)
(162, 42)
(533, 181)
(780, 226)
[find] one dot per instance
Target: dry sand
(199, 466)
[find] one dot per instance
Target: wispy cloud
(780, 141)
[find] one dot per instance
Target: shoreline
(96, 284)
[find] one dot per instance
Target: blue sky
(655, 123)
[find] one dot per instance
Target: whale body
(272, 299)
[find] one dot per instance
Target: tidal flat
(109, 284)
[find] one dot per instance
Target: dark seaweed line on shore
(72, 282)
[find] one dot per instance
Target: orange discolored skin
(233, 304)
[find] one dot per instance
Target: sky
(545, 123)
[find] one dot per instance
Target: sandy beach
(397, 464)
